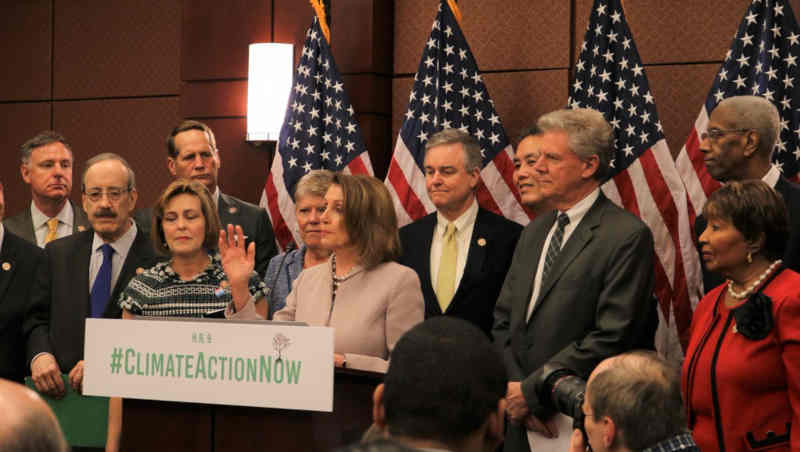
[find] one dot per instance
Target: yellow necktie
(52, 230)
(446, 279)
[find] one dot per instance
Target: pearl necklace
(746, 293)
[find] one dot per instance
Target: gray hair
(315, 183)
(588, 134)
(755, 113)
(108, 156)
(641, 393)
(42, 139)
(472, 149)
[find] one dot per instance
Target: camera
(564, 391)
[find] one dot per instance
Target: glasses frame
(714, 134)
(113, 196)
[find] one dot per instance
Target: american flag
(319, 132)
(610, 78)
(448, 92)
(762, 61)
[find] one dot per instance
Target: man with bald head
(738, 143)
(82, 275)
(28, 423)
(633, 402)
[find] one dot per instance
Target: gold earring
(749, 257)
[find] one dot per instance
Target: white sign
(256, 364)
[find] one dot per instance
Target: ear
(756, 245)
(378, 410)
(216, 157)
(134, 196)
(752, 138)
(609, 432)
(475, 177)
(85, 202)
(171, 166)
(590, 167)
(26, 173)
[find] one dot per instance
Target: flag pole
(320, 9)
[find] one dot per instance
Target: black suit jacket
(253, 220)
(595, 303)
(21, 224)
(60, 295)
(18, 261)
(791, 258)
(490, 250)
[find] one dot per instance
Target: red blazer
(744, 394)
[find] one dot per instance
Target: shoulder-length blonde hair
(369, 218)
(209, 208)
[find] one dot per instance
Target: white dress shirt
(464, 226)
(772, 176)
(66, 219)
(121, 248)
(575, 214)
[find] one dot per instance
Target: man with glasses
(47, 168)
(82, 275)
(738, 145)
(633, 402)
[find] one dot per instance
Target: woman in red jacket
(741, 375)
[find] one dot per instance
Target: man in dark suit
(47, 168)
(18, 259)
(738, 143)
(464, 284)
(82, 275)
(192, 154)
(579, 286)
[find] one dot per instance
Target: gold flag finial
(319, 8)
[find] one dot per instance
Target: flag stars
(292, 162)
(310, 149)
(609, 56)
(643, 136)
(740, 82)
(620, 84)
(751, 18)
(786, 104)
(793, 39)
(598, 30)
(615, 17)
(774, 51)
(429, 62)
(634, 89)
(776, 31)
(747, 40)
(632, 110)
(623, 63)
(626, 43)
(631, 130)
(431, 43)
(605, 76)
(637, 70)
(628, 150)
(790, 60)
(648, 98)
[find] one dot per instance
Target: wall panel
(133, 128)
(216, 36)
(116, 49)
(25, 31)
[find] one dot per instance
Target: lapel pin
(232, 210)
(481, 241)
(81, 228)
(139, 271)
(6, 266)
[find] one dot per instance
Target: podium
(177, 426)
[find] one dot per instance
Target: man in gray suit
(579, 286)
(47, 168)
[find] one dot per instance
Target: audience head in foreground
(28, 423)
(633, 402)
(443, 391)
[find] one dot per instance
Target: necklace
(746, 293)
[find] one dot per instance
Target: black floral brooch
(754, 317)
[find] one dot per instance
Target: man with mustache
(18, 259)
(47, 168)
(738, 143)
(192, 154)
(82, 275)
(461, 252)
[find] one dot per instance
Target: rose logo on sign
(279, 343)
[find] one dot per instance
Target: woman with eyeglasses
(208, 270)
(741, 374)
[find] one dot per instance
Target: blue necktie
(101, 290)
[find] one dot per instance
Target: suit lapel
(8, 265)
(524, 290)
(580, 237)
(476, 255)
(421, 256)
(132, 261)
(228, 213)
(27, 226)
(83, 254)
(80, 221)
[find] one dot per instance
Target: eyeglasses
(715, 134)
(113, 194)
